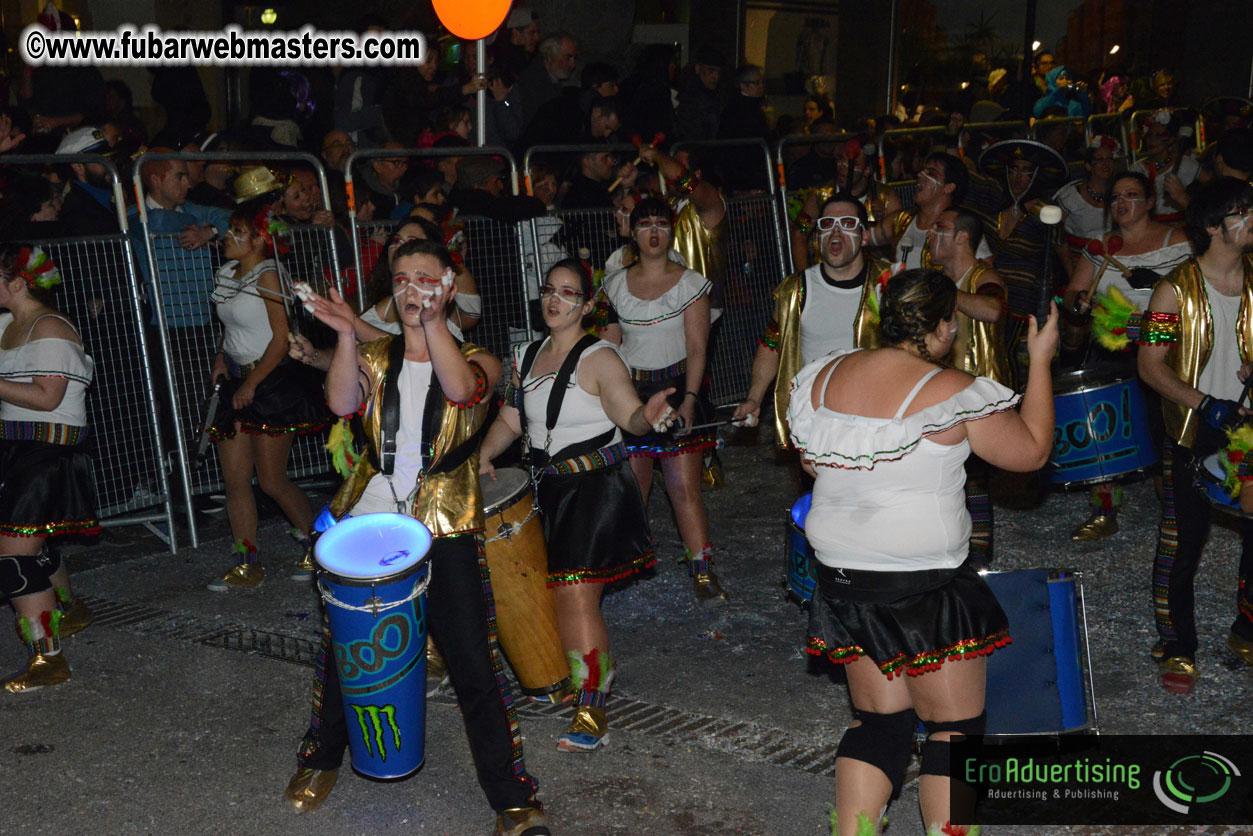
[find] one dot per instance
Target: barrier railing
(1102, 124)
(355, 225)
(1136, 136)
(100, 291)
(179, 282)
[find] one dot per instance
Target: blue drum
(1102, 429)
(1037, 684)
(373, 579)
(1209, 478)
(800, 555)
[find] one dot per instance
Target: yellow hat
(256, 181)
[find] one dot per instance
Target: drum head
(1214, 464)
(800, 510)
(373, 546)
(510, 483)
(1081, 381)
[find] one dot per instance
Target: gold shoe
(708, 591)
(76, 618)
(41, 672)
(588, 731)
(1097, 527)
(521, 821)
(1243, 648)
(240, 576)
(306, 568)
(1178, 674)
(308, 788)
(712, 476)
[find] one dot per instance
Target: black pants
(1181, 538)
(461, 615)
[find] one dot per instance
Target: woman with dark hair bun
(571, 396)
(886, 433)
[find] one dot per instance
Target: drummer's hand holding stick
(345, 390)
(1036, 409)
(657, 415)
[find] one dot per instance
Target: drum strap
(555, 399)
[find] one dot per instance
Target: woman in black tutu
(570, 393)
(46, 484)
(886, 433)
(265, 399)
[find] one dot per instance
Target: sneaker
(240, 576)
(521, 821)
(587, 733)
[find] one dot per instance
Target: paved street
(186, 705)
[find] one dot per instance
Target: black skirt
(46, 490)
(594, 525)
(663, 445)
(289, 400)
(907, 622)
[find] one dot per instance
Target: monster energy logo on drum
(372, 733)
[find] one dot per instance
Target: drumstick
(709, 426)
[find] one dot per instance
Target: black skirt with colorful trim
(289, 400)
(594, 523)
(47, 490)
(663, 445)
(905, 622)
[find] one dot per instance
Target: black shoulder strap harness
(555, 399)
(432, 411)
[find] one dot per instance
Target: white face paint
(235, 237)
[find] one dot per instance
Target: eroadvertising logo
(1106, 779)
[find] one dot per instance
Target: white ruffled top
(652, 329)
(48, 357)
(886, 497)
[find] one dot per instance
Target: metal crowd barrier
(1137, 119)
(363, 232)
(1100, 124)
(100, 292)
(179, 282)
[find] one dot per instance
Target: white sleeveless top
(1218, 378)
(582, 415)
(1161, 261)
(48, 357)
(371, 317)
(413, 385)
(886, 498)
(240, 304)
(652, 330)
(1083, 220)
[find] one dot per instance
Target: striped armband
(513, 396)
(770, 337)
(1158, 328)
(685, 183)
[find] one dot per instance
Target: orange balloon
(472, 19)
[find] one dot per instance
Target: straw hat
(256, 181)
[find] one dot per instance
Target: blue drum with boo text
(373, 579)
(1101, 430)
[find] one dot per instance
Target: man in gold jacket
(424, 462)
(978, 346)
(827, 307)
(1196, 343)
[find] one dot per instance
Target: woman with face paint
(658, 311)
(265, 400)
(571, 396)
(885, 433)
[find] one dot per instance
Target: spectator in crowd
(119, 105)
(815, 108)
(358, 90)
(1162, 91)
(420, 185)
(516, 44)
(1064, 93)
(603, 122)
(647, 96)
(817, 165)
(1116, 95)
(447, 166)
(599, 81)
(211, 181)
(1169, 170)
(181, 94)
(88, 208)
(589, 188)
(745, 118)
(380, 182)
(31, 206)
(483, 190)
(504, 108)
(1233, 155)
(337, 147)
(1040, 68)
(62, 98)
(542, 81)
(696, 117)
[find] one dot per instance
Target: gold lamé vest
(977, 347)
(900, 223)
(1188, 356)
(447, 503)
(704, 249)
(789, 301)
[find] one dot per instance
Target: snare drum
(1037, 684)
(373, 579)
(1102, 429)
(526, 617)
(1209, 476)
(799, 554)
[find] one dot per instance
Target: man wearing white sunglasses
(827, 307)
